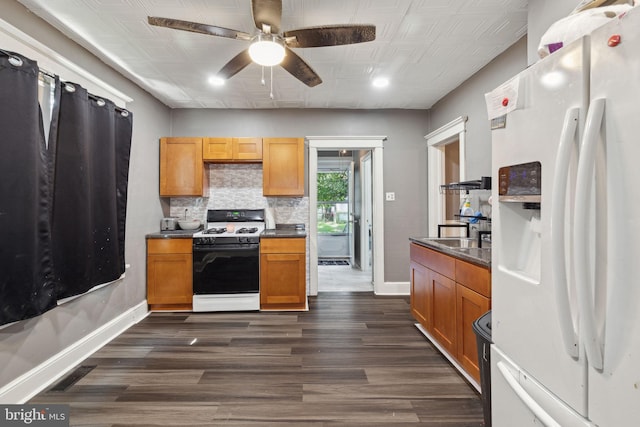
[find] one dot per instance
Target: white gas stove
(226, 268)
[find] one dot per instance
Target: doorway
(344, 194)
(372, 146)
(442, 145)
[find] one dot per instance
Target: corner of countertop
(479, 256)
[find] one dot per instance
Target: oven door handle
(224, 248)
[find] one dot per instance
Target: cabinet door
(247, 149)
(283, 167)
(282, 281)
(443, 291)
(420, 295)
(217, 149)
(470, 306)
(181, 169)
(169, 279)
(474, 277)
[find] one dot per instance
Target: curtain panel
(89, 200)
(26, 279)
(63, 208)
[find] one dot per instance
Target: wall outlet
(391, 196)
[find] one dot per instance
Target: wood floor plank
(353, 359)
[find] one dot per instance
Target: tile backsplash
(239, 186)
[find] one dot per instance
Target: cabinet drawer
(474, 277)
(434, 260)
(169, 246)
(282, 245)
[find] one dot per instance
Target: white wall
(29, 343)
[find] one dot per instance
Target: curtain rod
(122, 111)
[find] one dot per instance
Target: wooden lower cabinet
(283, 274)
(470, 305)
(420, 279)
(169, 274)
(447, 296)
(444, 310)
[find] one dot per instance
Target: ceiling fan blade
(237, 64)
(267, 12)
(330, 35)
(299, 69)
(195, 27)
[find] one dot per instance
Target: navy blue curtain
(26, 283)
(90, 191)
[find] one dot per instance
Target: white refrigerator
(566, 236)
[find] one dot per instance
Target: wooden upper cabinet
(181, 167)
(283, 167)
(247, 149)
(217, 149)
(232, 150)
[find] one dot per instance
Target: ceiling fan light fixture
(380, 82)
(266, 50)
(216, 81)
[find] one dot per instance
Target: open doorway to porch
(373, 144)
(344, 232)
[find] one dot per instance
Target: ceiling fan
(270, 46)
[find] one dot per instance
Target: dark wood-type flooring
(352, 359)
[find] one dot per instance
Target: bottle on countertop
(466, 210)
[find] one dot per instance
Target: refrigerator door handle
(528, 401)
(586, 168)
(558, 259)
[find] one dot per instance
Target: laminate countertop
(173, 234)
(284, 232)
(479, 256)
(188, 234)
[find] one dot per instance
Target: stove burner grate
(247, 230)
(215, 230)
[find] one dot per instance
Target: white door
(525, 402)
(526, 316)
(351, 225)
(614, 390)
(366, 229)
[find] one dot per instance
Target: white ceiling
(425, 47)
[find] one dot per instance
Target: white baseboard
(394, 288)
(39, 378)
(446, 354)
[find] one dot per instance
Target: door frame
(365, 211)
(373, 143)
(436, 141)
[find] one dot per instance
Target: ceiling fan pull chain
(262, 79)
(271, 91)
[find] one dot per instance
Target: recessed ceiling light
(216, 81)
(380, 82)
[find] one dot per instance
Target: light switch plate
(391, 196)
